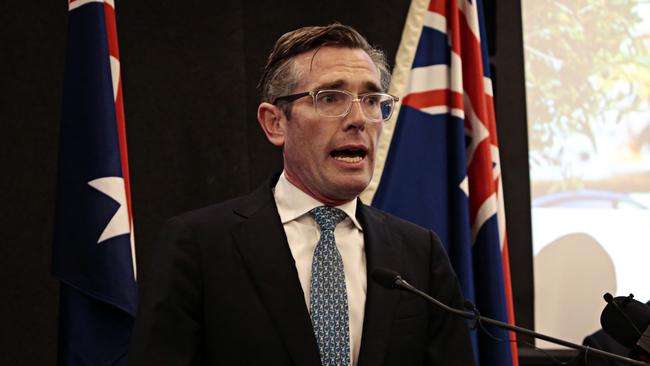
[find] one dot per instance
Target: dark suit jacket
(224, 291)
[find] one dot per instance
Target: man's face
(332, 158)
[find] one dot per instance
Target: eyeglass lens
(334, 103)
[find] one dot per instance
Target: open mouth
(349, 155)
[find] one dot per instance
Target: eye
(330, 97)
(371, 100)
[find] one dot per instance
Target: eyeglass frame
(313, 93)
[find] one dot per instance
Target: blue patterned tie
(328, 297)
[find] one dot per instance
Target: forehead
(337, 67)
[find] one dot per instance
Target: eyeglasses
(376, 107)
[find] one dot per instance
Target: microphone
(391, 279)
(386, 277)
(628, 322)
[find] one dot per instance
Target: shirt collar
(293, 202)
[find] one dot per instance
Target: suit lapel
(262, 243)
(380, 302)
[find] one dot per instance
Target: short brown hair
(280, 76)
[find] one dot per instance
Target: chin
(350, 190)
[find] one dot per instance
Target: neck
(319, 197)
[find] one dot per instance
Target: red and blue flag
(442, 166)
(93, 250)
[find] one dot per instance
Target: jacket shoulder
(222, 211)
(230, 212)
(396, 224)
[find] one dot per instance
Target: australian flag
(93, 250)
(442, 166)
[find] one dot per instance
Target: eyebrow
(368, 86)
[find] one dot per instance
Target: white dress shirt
(303, 234)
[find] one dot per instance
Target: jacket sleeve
(168, 324)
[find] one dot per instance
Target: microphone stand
(477, 318)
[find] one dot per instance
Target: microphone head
(385, 277)
(608, 297)
(624, 319)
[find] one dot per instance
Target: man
(280, 277)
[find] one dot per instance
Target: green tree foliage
(581, 57)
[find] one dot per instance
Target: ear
(272, 120)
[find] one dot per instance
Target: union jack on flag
(93, 252)
(440, 166)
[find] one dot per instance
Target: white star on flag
(464, 186)
(113, 187)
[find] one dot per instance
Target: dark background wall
(189, 70)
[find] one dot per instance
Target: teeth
(349, 159)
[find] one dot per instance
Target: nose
(355, 118)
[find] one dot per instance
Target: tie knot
(327, 217)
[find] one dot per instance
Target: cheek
(375, 133)
(311, 140)
(303, 145)
(378, 132)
